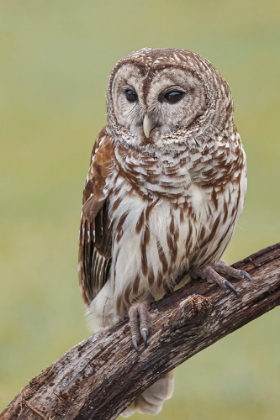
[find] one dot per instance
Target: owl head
(159, 97)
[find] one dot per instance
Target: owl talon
(144, 334)
(245, 274)
(134, 342)
(211, 273)
(230, 287)
(226, 270)
(139, 320)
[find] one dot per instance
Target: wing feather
(95, 238)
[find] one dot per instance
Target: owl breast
(163, 224)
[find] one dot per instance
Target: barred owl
(164, 190)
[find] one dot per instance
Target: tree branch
(99, 377)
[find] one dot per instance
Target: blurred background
(55, 60)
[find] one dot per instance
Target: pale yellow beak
(147, 126)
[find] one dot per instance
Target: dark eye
(174, 96)
(131, 96)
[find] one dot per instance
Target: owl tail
(151, 401)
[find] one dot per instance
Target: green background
(55, 60)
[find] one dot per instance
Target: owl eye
(174, 96)
(131, 96)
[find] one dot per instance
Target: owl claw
(230, 287)
(144, 334)
(134, 342)
(226, 270)
(139, 320)
(211, 272)
(245, 274)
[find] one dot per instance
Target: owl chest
(155, 239)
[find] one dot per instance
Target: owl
(163, 193)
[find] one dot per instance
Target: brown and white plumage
(165, 188)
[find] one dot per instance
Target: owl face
(155, 95)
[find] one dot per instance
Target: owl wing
(95, 237)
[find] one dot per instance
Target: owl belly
(156, 240)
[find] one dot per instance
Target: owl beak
(147, 126)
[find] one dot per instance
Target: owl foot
(211, 273)
(139, 318)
